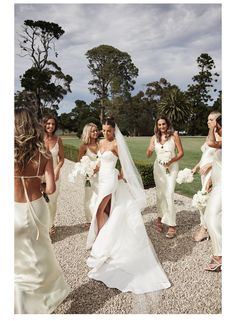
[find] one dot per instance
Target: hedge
(71, 152)
(145, 170)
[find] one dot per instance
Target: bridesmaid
(204, 167)
(89, 147)
(39, 282)
(213, 212)
(55, 146)
(165, 142)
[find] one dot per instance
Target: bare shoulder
(115, 143)
(175, 135)
(152, 139)
(60, 142)
(83, 147)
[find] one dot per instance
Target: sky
(163, 40)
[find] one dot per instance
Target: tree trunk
(38, 106)
(102, 113)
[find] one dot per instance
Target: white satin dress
(213, 211)
(53, 197)
(165, 183)
(90, 191)
(207, 157)
(39, 281)
(122, 255)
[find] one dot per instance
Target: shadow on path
(63, 231)
(172, 250)
(90, 297)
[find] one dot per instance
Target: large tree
(83, 114)
(156, 89)
(176, 106)
(45, 78)
(113, 74)
(218, 102)
(200, 93)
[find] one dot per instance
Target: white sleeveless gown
(122, 255)
(53, 197)
(165, 183)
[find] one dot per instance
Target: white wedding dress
(122, 255)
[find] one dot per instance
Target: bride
(122, 255)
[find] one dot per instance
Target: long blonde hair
(215, 113)
(86, 133)
(28, 138)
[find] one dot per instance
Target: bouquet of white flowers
(184, 176)
(163, 159)
(200, 200)
(85, 167)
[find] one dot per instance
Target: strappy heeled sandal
(171, 234)
(214, 266)
(52, 230)
(201, 235)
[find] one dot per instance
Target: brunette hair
(46, 119)
(28, 138)
(86, 133)
(109, 121)
(157, 132)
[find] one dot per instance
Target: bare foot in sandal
(52, 230)
(159, 225)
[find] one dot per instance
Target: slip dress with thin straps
(34, 217)
(40, 285)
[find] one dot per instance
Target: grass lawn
(138, 146)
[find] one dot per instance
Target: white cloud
(164, 40)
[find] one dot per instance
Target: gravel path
(193, 290)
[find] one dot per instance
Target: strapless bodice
(107, 160)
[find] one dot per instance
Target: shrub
(71, 152)
(146, 172)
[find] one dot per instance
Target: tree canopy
(113, 73)
(45, 79)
